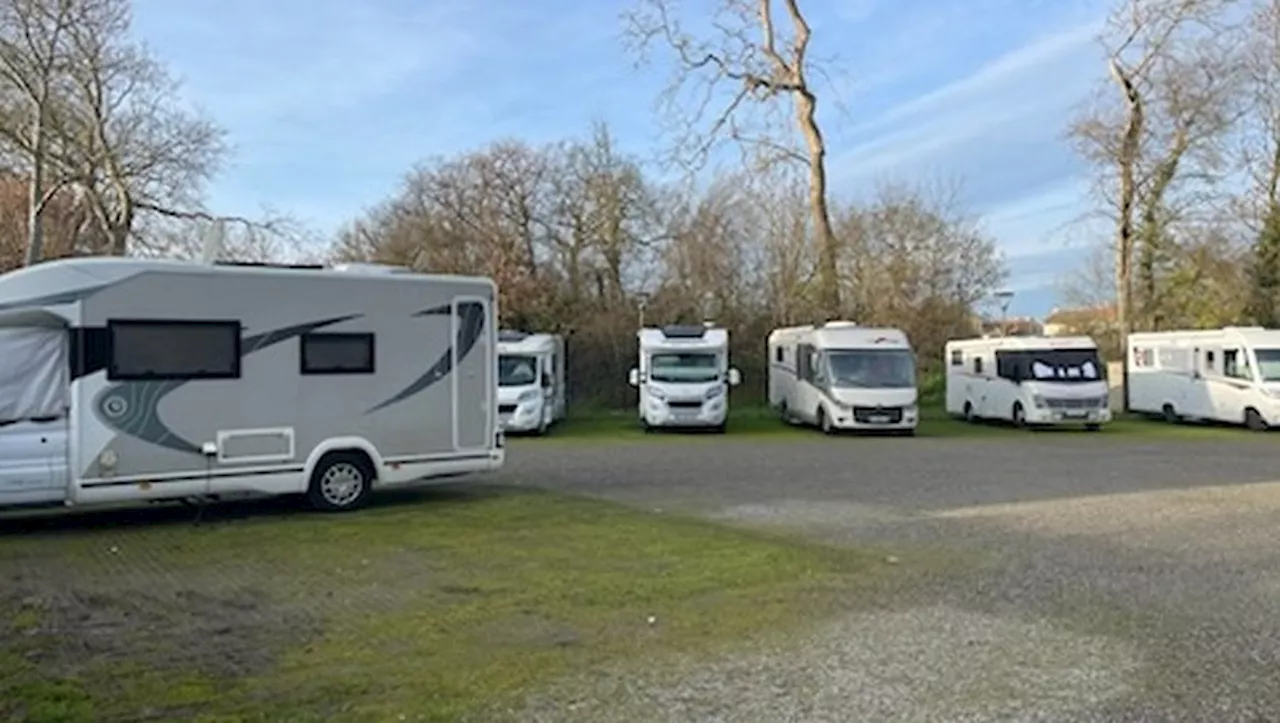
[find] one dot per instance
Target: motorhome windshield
(1051, 365)
(872, 368)
(1268, 364)
(517, 371)
(684, 367)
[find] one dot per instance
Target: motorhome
(531, 374)
(684, 377)
(841, 376)
(125, 380)
(1028, 380)
(1229, 375)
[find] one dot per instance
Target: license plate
(1075, 415)
(878, 419)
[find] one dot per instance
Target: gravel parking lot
(1088, 578)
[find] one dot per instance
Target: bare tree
(33, 60)
(1171, 69)
(746, 60)
(1261, 160)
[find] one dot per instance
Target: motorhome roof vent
(507, 335)
(684, 331)
(837, 324)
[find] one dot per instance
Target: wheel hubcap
(342, 484)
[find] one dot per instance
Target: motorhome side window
(957, 357)
(336, 353)
(977, 365)
(802, 362)
(1235, 365)
(153, 349)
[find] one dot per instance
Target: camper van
(125, 380)
(684, 377)
(1028, 380)
(841, 376)
(1229, 375)
(531, 390)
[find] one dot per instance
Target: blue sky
(329, 102)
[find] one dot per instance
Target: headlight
(715, 391)
(1038, 401)
(910, 409)
(1271, 393)
(657, 393)
(529, 396)
(1104, 401)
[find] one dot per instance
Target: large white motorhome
(531, 388)
(125, 380)
(684, 377)
(838, 375)
(1028, 380)
(1229, 375)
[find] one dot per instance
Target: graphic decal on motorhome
(470, 326)
(133, 407)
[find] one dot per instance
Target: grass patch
(761, 422)
(434, 606)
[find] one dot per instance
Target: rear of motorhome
(531, 381)
(684, 377)
(1229, 375)
(1028, 380)
(839, 376)
(125, 380)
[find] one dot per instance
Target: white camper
(125, 380)
(1229, 375)
(684, 377)
(531, 389)
(1026, 380)
(838, 375)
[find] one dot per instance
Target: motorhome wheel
(1254, 421)
(1170, 414)
(968, 412)
(1019, 415)
(824, 422)
(341, 481)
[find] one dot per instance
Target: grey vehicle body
(127, 380)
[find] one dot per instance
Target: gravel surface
(1104, 580)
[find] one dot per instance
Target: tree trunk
(828, 251)
(35, 196)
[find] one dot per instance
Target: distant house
(1087, 320)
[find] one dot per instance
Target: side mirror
(634, 378)
(735, 377)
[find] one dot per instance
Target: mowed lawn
(432, 605)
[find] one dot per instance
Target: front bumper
(711, 413)
(1068, 416)
(520, 417)
(872, 418)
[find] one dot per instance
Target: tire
(342, 481)
(1093, 427)
(1170, 414)
(968, 412)
(1019, 415)
(720, 428)
(824, 422)
(1254, 421)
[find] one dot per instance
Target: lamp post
(1004, 297)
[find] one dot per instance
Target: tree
(33, 60)
(1171, 66)
(760, 64)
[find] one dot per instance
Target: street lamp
(1004, 297)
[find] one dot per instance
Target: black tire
(1019, 415)
(968, 412)
(1170, 414)
(1092, 427)
(341, 481)
(1254, 421)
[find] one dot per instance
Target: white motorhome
(1028, 380)
(531, 388)
(125, 380)
(1229, 375)
(838, 375)
(684, 377)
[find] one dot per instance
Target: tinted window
(337, 353)
(173, 350)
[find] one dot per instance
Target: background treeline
(99, 154)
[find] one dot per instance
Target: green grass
(758, 421)
(435, 607)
